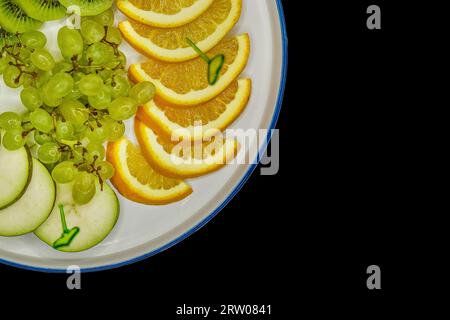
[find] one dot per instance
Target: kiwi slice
(43, 10)
(14, 19)
(89, 7)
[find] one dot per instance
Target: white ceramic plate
(143, 231)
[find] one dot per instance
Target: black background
(346, 196)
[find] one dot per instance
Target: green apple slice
(94, 220)
(15, 175)
(33, 208)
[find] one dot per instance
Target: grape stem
(10, 50)
(26, 133)
(113, 45)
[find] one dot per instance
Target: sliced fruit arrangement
(186, 83)
(33, 208)
(14, 19)
(73, 107)
(169, 44)
(197, 122)
(54, 173)
(138, 181)
(164, 13)
(90, 222)
(15, 174)
(184, 159)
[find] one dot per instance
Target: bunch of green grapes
(75, 105)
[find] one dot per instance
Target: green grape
(27, 126)
(106, 18)
(74, 111)
(49, 99)
(111, 66)
(79, 130)
(106, 74)
(84, 167)
(90, 85)
(64, 172)
(120, 72)
(70, 42)
(115, 129)
(120, 87)
(62, 67)
(143, 92)
(25, 117)
(83, 188)
(92, 31)
(27, 80)
(60, 85)
(77, 76)
(10, 120)
(42, 78)
(64, 130)
(49, 153)
(42, 138)
(4, 62)
(100, 53)
(24, 53)
(113, 35)
(95, 151)
(84, 60)
(122, 59)
(33, 39)
(122, 108)
(31, 98)
(78, 154)
(13, 139)
(102, 99)
(105, 170)
(12, 77)
(75, 93)
(42, 120)
(65, 156)
(42, 59)
(119, 64)
(97, 134)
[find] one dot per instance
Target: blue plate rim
(224, 203)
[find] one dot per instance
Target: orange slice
(186, 83)
(164, 13)
(169, 44)
(184, 159)
(201, 121)
(138, 181)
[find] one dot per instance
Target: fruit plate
(143, 231)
